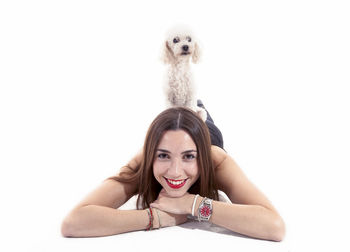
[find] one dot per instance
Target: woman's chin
(175, 194)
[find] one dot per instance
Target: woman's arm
(250, 214)
(97, 215)
(251, 220)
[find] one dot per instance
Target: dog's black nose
(185, 48)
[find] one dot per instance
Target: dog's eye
(189, 39)
(176, 40)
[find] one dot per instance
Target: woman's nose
(174, 168)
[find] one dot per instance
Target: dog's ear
(196, 53)
(168, 55)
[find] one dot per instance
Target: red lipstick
(175, 184)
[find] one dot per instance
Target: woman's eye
(163, 156)
(189, 157)
(176, 40)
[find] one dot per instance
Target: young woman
(178, 174)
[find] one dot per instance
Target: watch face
(205, 211)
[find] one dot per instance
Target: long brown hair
(178, 118)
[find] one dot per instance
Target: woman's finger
(156, 205)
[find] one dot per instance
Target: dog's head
(180, 46)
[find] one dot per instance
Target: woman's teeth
(175, 182)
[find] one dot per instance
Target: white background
(80, 81)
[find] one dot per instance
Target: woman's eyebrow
(184, 152)
(188, 151)
(163, 150)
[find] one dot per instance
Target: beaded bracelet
(194, 203)
(150, 215)
(160, 224)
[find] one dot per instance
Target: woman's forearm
(251, 220)
(93, 220)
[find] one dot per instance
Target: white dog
(179, 47)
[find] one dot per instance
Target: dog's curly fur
(181, 46)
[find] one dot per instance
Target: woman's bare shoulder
(218, 155)
(232, 181)
(111, 192)
(136, 160)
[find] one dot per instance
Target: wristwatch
(205, 209)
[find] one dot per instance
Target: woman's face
(175, 164)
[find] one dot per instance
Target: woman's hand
(164, 219)
(172, 211)
(181, 205)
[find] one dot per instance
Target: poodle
(181, 46)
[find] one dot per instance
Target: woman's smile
(175, 184)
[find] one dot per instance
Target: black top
(215, 134)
